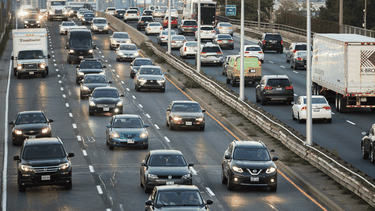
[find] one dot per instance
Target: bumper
(33, 179)
(187, 30)
(115, 110)
(79, 58)
(138, 142)
(100, 30)
(174, 45)
(278, 97)
(262, 180)
(211, 60)
(226, 45)
(63, 31)
(207, 37)
(153, 31)
(151, 86)
(271, 47)
(226, 31)
(36, 25)
(157, 182)
(126, 57)
(189, 53)
(187, 124)
(322, 114)
(131, 18)
(299, 63)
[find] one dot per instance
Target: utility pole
(198, 56)
(169, 26)
(364, 16)
(242, 79)
(308, 79)
(259, 15)
(341, 16)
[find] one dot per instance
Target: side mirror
(108, 126)
(12, 57)
(275, 158)
(16, 157)
(148, 202)
(109, 24)
(203, 110)
(104, 66)
(109, 82)
(168, 109)
(77, 66)
(146, 125)
(363, 133)
(12, 123)
(209, 201)
(49, 56)
(131, 65)
(191, 164)
(143, 164)
(70, 154)
(50, 120)
(227, 156)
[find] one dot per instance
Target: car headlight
(26, 21)
(71, 51)
(26, 168)
(114, 41)
(128, 41)
(186, 176)
(85, 88)
(115, 135)
(52, 13)
(42, 65)
(161, 80)
(177, 119)
(83, 19)
(95, 27)
(18, 132)
(199, 119)
(45, 130)
(143, 135)
(271, 170)
(153, 176)
(37, 21)
(81, 73)
(120, 53)
(19, 67)
(91, 51)
(64, 166)
(237, 169)
(40, 17)
(92, 103)
(65, 12)
(119, 103)
(136, 54)
(142, 80)
(106, 27)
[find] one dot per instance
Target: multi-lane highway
(109, 180)
(343, 135)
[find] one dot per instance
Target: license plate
(31, 73)
(105, 109)
(46, 177)
(254, 179)
(32, 136)
(225, 41)
(316, 110)
(188, 123)
(252, 71)
(363, 99)
(169, 183)
(130, 141)
(100, 30)
(81, 57)
(32, 24)
(279, 88)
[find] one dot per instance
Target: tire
(68, 186)
(372, 156)
(137, 88)
(145, 147)
(363, 152)
(107, 142)
(21, 188)
(341, 103)
(69, 62)
(146, 189)
(263, 101)
(224, 180)
(257, 98)
(19, 75)
(230, 186)
(294, 66)
(111, 147)
(117, 59)
(234, 83)
(110, 48)
(228, 81)
(47, 71)
(291, 66)
(329, 120)
(273, 188)
(201, 128)
(77, 81)
(293, 118)
(91, 113)
(162, 90)
(15, 71)
(282, 51)
(44, 75)
(287, 60)
(298, 119)
(171, 127)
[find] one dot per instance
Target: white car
(158, 13)
(254, 50)
(177, 41)
(117, 38)
(131, 15)
(153, 28)
(111, 10)
(174, 13)
(189, 49)
(320, 108)
(207, 33)
(127, 52)
(65, 26)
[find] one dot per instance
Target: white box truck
(56, 9)
(30, 52)
(343, 69)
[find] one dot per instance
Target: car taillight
(260, 52)
(183, 26)
(149, 28)
(195, 26)
(299, 59)
(220, 27)
(264, 42)
(219, 40)
(126, 14)
(282, 42)
(289, 87)
(327, 108)
(295, 51)
(161, 28)
(212, 31)
(219, 52)
(247, 52)
(267, 88)
(185, 49)
(303, 108)
(141, 21)
(203, 52)
(230, 40)
(163, 37)
(173, 41)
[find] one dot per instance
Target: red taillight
(212, 31)
(362, 43)
(163, 37)
(230, 40)
(327, 108)
(260, 52)
(203, 52)
(173, 41)
(264, 42)
(303, 108)
(183, 26)
(219, 40)
(219, 52)
(282, 42)
(247, 52)
(141, 21)
(185, 49)
(195, 26)
(267, 88)
(289, 87)
(299, 59)
(295, 51)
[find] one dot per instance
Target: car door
(226, 162)
(297, 107)
(168, 114)
(258, 88)
(108, 129)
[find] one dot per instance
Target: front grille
(45, 169)
(29, 66)
(152, 82)
(106, 105)
(128, 135)
(166, 176)
(81, 52)
(31, 133)
(188, 118)
(254, 171)
(58, 12)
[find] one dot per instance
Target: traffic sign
(230, 10)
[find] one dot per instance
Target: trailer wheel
(340, 103)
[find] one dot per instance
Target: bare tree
(290, 6)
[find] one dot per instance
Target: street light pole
(198, 56)
(169, 26)
(341, 16)
(242, 84)
(258, 15)
(308, 80)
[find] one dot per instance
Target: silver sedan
(177, 41)
(189, 49)
(224, 28)
(127, 52)
(153, 28)
(117, 38)
(162, 38)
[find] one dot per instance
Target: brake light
(264, 42)
(219, 52)
(260, 52)
(282, 42)
(173, 41)
(137, 14)
(289, 87)
(219, 40)
(163, 37)
(141, 21)
(161, 28)
(203, 52)
(303, 108)
(327, 108)
(195, 26)
(247, 52)
(185, 49)
(267, 88)
(295, 51)
(212, 31)
(230, 40)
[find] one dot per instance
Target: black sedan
(105, 99)
(90, 82)
(185, 114)
(224, 41)
(89, 66)
(30, 124)
(149, 77)
(126, 130)
(137, 63)
(177, 197)
(119, 13)
(165, 167)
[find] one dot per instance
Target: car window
(90, 65)
(186, 107)
(151, 71)
(127, 123)
(109, 93)
(211, 49)
(190, 23)
(278, 81)
(128, 47)
(43, 151)
(142, 62)
(225, 24)
(315, 100)
(207, 28)
(224, 36)
(132, 11)
(95, 79)
(121, 35)
(100, 21)
(251, 154)
(273, 37)
(178, 198)
(179, 38)
(30, 118)
(167, 160)
(253, 49)
(194, 44)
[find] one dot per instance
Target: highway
(109, 180)
(342, 135)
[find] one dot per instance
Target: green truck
(252, 69)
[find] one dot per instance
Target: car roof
(30, 112)
(276, 76)
(45, 140)
(97, 18)
(252, 144)
(176, 187)
(107, 87)
(149, 66)
(245, 46)
(165, 152)
(126, 116)
(184, 101)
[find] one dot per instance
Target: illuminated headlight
(161, 80)
(115, 135)
(177, 119)
(237, 169)
(128, 41)
(81, 73)
(83, 19)
(120, 53)
(153, 176)
(143, 135)
(42, 65)
(102, 73)
(45, 130)
(92, 103)
(91, 51)
(26, 21)
(119, 103)
(136, 54)
(199, 119)
(64, 166)
(37, 21)
(19, 67)
(71, 51)
(51, 13)
(18, 132)
(95, 27)
(271, 170)
(106, 27)
(26, 168)
(142, 80)
(186, 176)
(85, 88)
(114, 41)
(65, 12)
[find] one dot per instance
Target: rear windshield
(253, 49)
(276, 82)
(180, 38)
(226, 24)
(273, 37)
(147, 19)
(302, 47)
(315, 100)
(173, 18)
(224, 36)
(112, 9)
(166, 32)
(194, 44)
(190, 23)
(211, 49)
(159, 10)
(154, 24)
(132, 11)
(121, 35)
(68, 24)
(207, 28)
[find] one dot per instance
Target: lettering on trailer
(29, 40)
(367, 62)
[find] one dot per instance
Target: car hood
(150, 77)
(187, 114)
(129, 130)
(120, 39)
(106, 100)
(183, 208)
(253, 164)
(128, 51)
(94, 85)
(36, 126)
(168, 170)
(99, 25)
(91, 70)
(30, 61)
(45, 162)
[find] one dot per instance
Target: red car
(173, 23)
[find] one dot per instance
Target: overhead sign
(230, 10)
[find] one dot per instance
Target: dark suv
(271, 41)
(368, 144)
(187, 26)
(143, 21)
(248, 163)
(43, 161)
(89, 66)
(274, 88)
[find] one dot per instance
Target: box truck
(343, 69)
(56, 9)
(30, 52)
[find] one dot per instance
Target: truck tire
(15, 71)
(47, 71)
(228, 81)
(234, 83)
(340, 103)
(19, 75)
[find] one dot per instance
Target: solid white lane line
(193, 170)
(140, 105)
(74, 126)
(148, 116)
(156, 126)
(210, 191)
(127, 89)
(295, 71)
(282, 66)
(91, 168)
(271, 62)
(64, 96)
(99, 189)
(84, 152)
(350, 122)
(70, 115)
(134, 97)
(79, 138)
(166, 138)
(67, 105)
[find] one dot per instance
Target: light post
(198, 56)
(242, 84)
(169, 26)
(259, 15)
(308, 79)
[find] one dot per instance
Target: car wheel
(137, 88)
(329, 120)
(372, 156)
(118, 59)
(299, 120)
(230, 186)
(146, 189)
(257, 98)
(291, 66)
(293, 115)
(19, 75)
(15, 71)
(145, 147)
(363, 152)
(140, 182)
(228, 81)
(263, 101)
(77, 81)
(273, 188)
(91, 113)
(171, 126)
(68, 186)
(224, 180)
(21, 188)
(282, 51)
(162, 90)
(69, 62)
(111, 147)
(81, 96)
(234, 83)
(287, 60)
(201, 128)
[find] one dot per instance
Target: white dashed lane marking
(91, 168)
(210, 191)
(167, 139)
(64, 96)
(148, 116)
(127, 89)
(134, 97)
(67, 105)
(74, 126)
(271, 62)
(99, 189)
(350, 122)
(79, 138)
(282, 66)
(122, 82)
(140, 105)
(84, 152)
(70, 115)
(156, 126)
(295, 71)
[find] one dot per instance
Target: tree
(289, 6)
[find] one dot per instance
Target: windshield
(127, 123)
(251, 154)
(151, 71)
(68, 24)
(32, 54)
(167, 160)
(179, 198)
(186, 107)
(211, 49)
(80, 39)
(128, 47)
(316, 100)
(107, 93)
(89, 15)
(30, 118)
(57, 3)
(132, 11)
(190, 23)
(102, 21)
(142, 62)
(276, 82)
(273, 37)
(179, 38)
(120, 35)
(154, 24)
(253, 49)
(191, 44)
(224, 36)
(225, 24)
(166, 32)
(95, 79)
(43, 151)
(90, 65)
(207, 28)
(32, 16)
